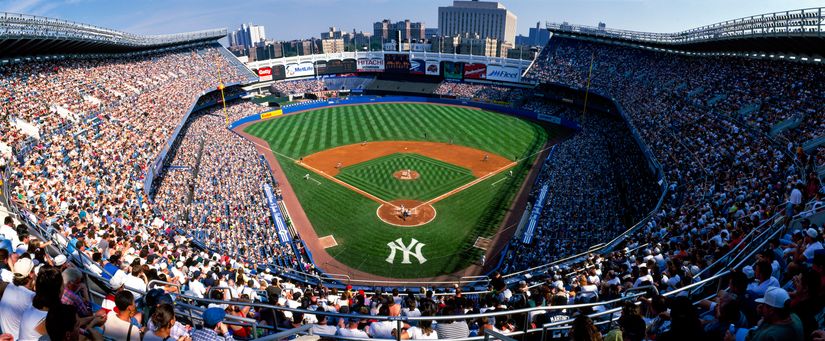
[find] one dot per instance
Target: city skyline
(316, 16)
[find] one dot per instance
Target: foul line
(476, 181)
(331, 178)
(465, 186)
(497, 181)
(342, 183)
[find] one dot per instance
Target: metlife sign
(300, 70)
(504, 74)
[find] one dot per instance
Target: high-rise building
(538, 37)
(477, 18)
(248, 36)
(332, 45)
(333, 33)
(387, 30)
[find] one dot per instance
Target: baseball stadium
(582, 183)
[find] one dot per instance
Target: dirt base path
(330, 265)
(473, 159)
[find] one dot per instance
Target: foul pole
(589, 75)
(223, 99)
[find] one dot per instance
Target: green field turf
(350, 217)
(376, 177)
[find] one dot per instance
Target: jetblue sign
(504, 74)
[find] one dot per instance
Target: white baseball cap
(812, 232)
(23, 267)
(775, 297)
(59, 260)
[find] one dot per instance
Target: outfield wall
(295, 108)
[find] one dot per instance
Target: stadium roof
(797, 32)
(26, 35)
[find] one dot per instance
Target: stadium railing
(801, 22)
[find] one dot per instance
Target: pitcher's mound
(417, 214)
(406, 174)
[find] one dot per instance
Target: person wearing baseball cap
(213, 326)
(777, 321)
(18, 297)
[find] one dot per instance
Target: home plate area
(483, 243)
(328, 241)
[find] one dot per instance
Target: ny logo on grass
(407, 250)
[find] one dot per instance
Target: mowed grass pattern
(376, 177)
(350, 217)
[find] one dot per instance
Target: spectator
(17, 298)
(777, 322)
(213, 327)
(48, 292)
(62, 323)
(584, 330)
(164, 320)
(125, 323)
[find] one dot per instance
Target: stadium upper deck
(28, 35)
(798, 32)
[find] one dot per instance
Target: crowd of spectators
(599, 186)
(479, 92)
(298, 87)
(107, 120)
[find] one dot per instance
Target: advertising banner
(432, 68)
(501, 73)
(370, 65)
(349, 66)
(417, 66)
(453, 70)
(397, 63)
(475, 71)
(300, 70)
(265, 74)
(273, 113)
(275, 212)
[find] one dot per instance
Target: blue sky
(292, 19)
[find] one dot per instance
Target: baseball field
(403, 190)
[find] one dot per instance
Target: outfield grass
(350, 217)
(376, 177)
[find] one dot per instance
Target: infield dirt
(348, 155)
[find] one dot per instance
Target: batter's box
(328, 241)
(483, 243)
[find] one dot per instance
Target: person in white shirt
(119, 325)
(135, 283)
(351, 329)
(7, 231)
(812, 243)
(424, 331)
(18, 297)
(196, 287)
(764, 280)
(644, 276)
(321, 327)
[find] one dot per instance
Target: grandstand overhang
(797, 34)
(27, 36)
